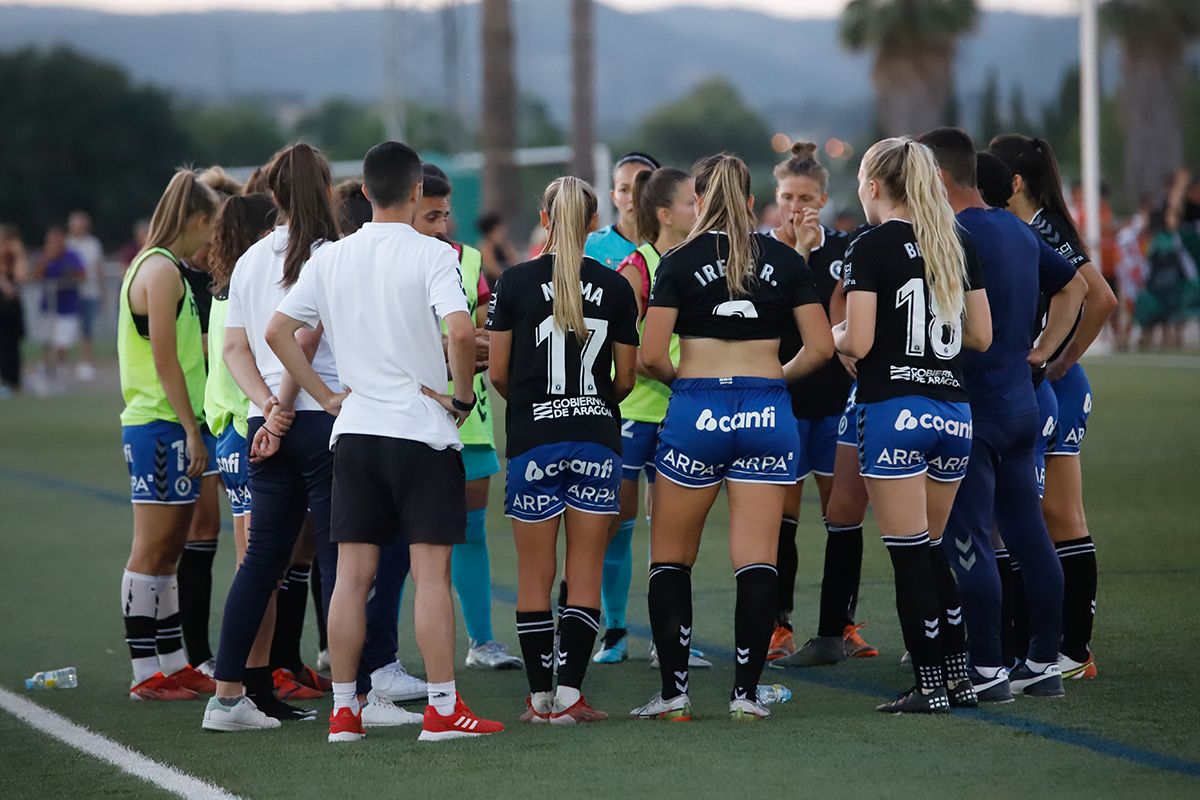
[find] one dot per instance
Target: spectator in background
(61, 273)
(87, 247)
(14, 270)
(1161, 309)
(130, 251)
(1131, 272)
(768, 218)
(845, 221)
(498, 252)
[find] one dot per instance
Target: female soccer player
(914, 299)
(819, 402)
(612, 244)
(161, 361)
(1037, 198)
(664, 203)
(729, 294)
(563, 354)
(296, 476)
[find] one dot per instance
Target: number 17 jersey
(560, 388)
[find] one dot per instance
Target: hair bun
(804, 150)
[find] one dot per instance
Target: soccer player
(398, 474)
(914, 299)
(293, 473)
(470, 569)
(1038, 199)
(612, 244)
(161, 362)
(730, 294)
(563, 354)
(664, 203)
(1000, 487)
(818, 401)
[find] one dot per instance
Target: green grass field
(64, 536)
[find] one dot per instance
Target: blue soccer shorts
(544, 481)
(156, 454)
(233, 460)
(1074, 393)
(913, 435)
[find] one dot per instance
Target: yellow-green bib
(224, 402)
(648, 400)
(477, 430)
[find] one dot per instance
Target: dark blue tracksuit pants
(1000, 488)
(283, 489)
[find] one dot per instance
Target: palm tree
(583, 90)
(1153, 36)
(914, 42)
(499, 121)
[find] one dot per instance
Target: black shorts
(387, 489)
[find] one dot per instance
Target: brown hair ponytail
(184, 196)
(242, 220)
(653, 191)
(570, 204)
(301, 181)
(724, 182)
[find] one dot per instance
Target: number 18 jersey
(916, 352)
(559, 388)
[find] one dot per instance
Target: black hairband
(636, 158)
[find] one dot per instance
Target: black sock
(562, 598)
(1004, 567)
(788, 561)
(290, 604)
(314, 582)
(535, 632)
(752, 626)
(1020, 612)
(1078, 559)
(578, 627)
(614, 635)
(952, 632)
(670, 601)
(195, 597)
(260, 687)
(839, 583)
(917, 606)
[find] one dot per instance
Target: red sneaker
(531, 714)
(288, 688)
(577, 713)
(312, 679)
(461, 724)
(346, 726)
(160, 687)
(191, 678)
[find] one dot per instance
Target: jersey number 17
(556, 364)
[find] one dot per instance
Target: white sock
(143, 668)
(567, 696)
(1038, 667)
(443, 697)
(542, 702)
(989, 672)
(168, 605)
(345, 695)
(138, 599)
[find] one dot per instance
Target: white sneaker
(379, 712)
(492, 655)
(393, 683)
(208, 668)
(746, 710)
(677, 709)
(323, 660)
(696, 659)
(242, 716)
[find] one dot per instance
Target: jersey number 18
(944, 335)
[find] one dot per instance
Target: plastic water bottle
(774, 693)
(64, 678)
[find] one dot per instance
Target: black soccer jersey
(1055, 232)
(915, 351)
(691, 278)
(823, 393)
(200, 281)
(560, 390)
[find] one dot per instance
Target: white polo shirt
(254, 294)
(381, 294)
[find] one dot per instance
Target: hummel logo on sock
(931, 628)
(743, 654)
(562, 657)
(547, 660)
(685, 636)
(681, 681)
(954, 615)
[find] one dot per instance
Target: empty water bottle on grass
(774, 693)
(64, 678)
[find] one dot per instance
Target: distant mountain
(795, 71)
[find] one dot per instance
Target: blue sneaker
(615, 647)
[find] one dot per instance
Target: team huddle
(925, 365)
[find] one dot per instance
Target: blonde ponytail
(724, 182)
(184, 196)
(908, 171)
(570, 204)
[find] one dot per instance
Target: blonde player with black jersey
(563, 354)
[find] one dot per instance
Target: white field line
(105, 749)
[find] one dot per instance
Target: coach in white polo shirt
(397, 472)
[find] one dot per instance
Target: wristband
(465, 408)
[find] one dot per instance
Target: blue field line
(827, 678)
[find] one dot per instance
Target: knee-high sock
(952, 632)
(535, 632)
(670, 602)
(839, 581)
(917, 606)
(315, 584)
(168, 633)
(788, 561)
(195, 597)
(617, 576)
(579, 627)
(139, 599)
(1078, 558)
(753, 621)
(1004, 567)
(290, 605)
(471, 574)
